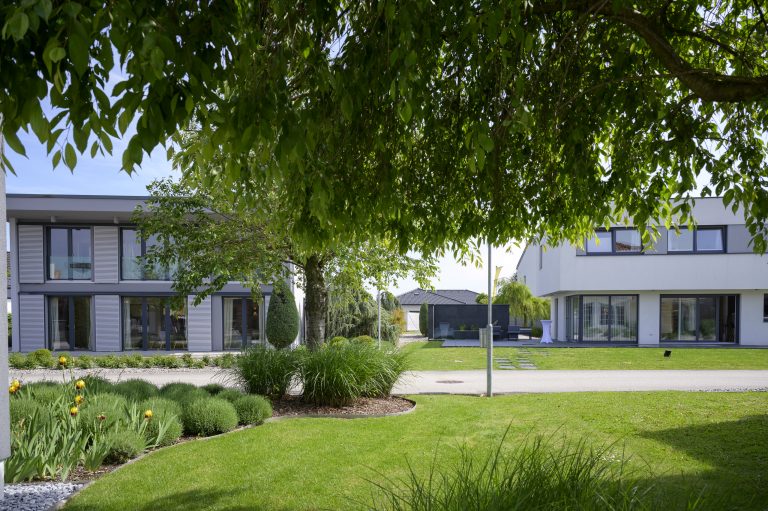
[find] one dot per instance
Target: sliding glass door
(708, 318)
(601, 318)
(153, 323)
(241, 322)
(69, 323)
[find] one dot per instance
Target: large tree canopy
(426, 122)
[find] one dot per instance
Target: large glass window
(627, 240)
(69, 253)
(133, 250)
(702, 239)
(765, 308)
(69, 323)
(601, 318)
(154, 323)
(698, 318)
(241, 322)
(600, 244)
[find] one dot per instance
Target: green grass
(429, 356)
(677, 441)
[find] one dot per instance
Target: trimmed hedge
(282, 318)
(209, 416)
(252, 409)
(423, 318)
(125, 444)
(230, 395)
(135, 389)
(182, 393)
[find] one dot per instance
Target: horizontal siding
(106, 258)
(31, 322)
(199, 325)
(31, 265)
(107, 323)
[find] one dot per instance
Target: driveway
(474, 382)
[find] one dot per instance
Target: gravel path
(36, 497)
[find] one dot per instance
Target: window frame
(718, 319)
(765, 308)
(578, 335)
(613, 251)
(70, 319)
(47, 251)
(723, 237)
(145, 322)
(143, 243)
(243, 320)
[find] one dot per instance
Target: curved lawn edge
(60, 505)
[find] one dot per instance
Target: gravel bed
(36, 496)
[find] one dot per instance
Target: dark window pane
(680, 243)
(130, 259)
(156, 327)
(765, 307)
(58, 254)
(595, 310)
(153, 271)
(179, 327)
(627, 240)
(58, 322)
(678, 319)
(709, 240)
(132, 328)
(80, 263)
(708, 318)
(624, 318)
(252, 322)
(233, 323)
(601, 243)
(83, 333)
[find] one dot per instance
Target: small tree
(282, 318)
(423, 314)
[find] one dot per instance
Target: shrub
(133, 360)
(337, 340)
(282, 318)
(230, 395)
(97, 384)
(125, 444)
(423, 318)
(225, 361)
(209, 416)
(69, 360)
(265, 371)
(213, 388)
(164, 413)
(537, 331)
(135, 389)
(188, 360)
(102, 412)
(46, 392)
(22, 408)
(110, 362)
(41, 358)
(363, 339)
(252, 409)
(182, 393)
(85, 362)
(19, 361)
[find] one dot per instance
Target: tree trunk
(317, 302)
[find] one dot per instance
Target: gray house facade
(78, 285)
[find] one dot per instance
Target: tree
(423, 318)
(282, 317)
(522, 303)
(482, 298)
(559, 115)
(215, 239)
(353, 312)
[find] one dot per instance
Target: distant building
(412, 300)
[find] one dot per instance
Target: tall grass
(537, 475)
(266, 371)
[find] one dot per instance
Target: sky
(102, 176)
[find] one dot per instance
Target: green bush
(47, 392)
(225, 361)
(423, 318)
(364, 339)
(265, 371)
(252, 409)
(69, 360)
(337, 375)
(209, 416)
(84, 362)
(337, 340)
(537, 331)
(164, 412)
(125, 444)
(133, 361)
(102, 412)
(182, 393)
(230, 395)
(22, 408)
(282, 317)
(19, 361)
(97, 384)
(213, 388)
(110, 362)
(41, 358)
(135, 389)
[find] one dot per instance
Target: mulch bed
(292, 406)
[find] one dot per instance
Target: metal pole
(379, 300)
(489, 353)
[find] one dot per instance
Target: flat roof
(72, 208)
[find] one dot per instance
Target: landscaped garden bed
(45, 359)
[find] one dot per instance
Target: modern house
(78, 284)
(704, 285)
(411, 301)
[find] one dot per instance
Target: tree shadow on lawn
(737, 451)
(186, 500)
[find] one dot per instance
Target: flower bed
(45, 359)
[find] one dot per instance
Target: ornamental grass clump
(265, 371)
(252, 409)
(209, 416)
(230, 395)
(182, 393)
(135, 389)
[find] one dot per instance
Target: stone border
(60, 505)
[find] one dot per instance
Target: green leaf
(485, 142)
(14, 143)
(79, 52)
(16, 26)
(346, 107)
(57, 53)
(56, 159)
(70, 158)
(157, 60)
(405, 112)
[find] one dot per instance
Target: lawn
(429, 356)
(680, 441)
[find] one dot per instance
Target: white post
(378, 299)
(489, 352)
(5, 421)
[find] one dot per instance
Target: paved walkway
(474, 382)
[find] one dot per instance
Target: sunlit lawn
(427, 356)
(682, 442)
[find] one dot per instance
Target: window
(705, 318)
(765, 308)
(69, 253)
(611, 318)
(154, 323)
(241, 323)
(701, 239)
(69, 323)
(600, 244)
(132, 266)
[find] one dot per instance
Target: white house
(703, 286)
